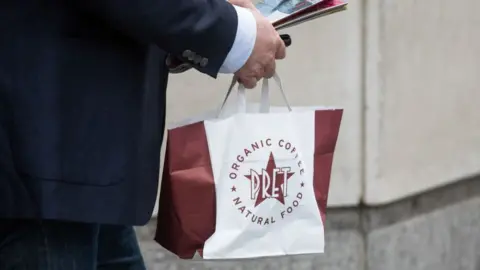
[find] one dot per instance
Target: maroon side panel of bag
(327, 127)
(186, 215)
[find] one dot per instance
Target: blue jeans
(56, 245)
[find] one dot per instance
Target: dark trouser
(55, 245)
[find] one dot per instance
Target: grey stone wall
(438, 230)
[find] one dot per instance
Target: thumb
(281, 49)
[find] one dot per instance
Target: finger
(270, 69)
(281, 50)
(259, 76)
(249, 83)
(259, 72)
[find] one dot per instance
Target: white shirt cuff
(244, 41)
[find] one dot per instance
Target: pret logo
(268, 181)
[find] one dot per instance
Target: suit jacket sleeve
(187, 28)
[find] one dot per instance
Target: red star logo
(279, 181)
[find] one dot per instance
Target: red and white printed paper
(248, 185)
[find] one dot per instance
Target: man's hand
(243, 3)
(268, 47)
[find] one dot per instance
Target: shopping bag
(248, 185)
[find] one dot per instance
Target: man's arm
(244, 41)
(200, 31)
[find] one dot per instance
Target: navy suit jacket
(82, 100)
